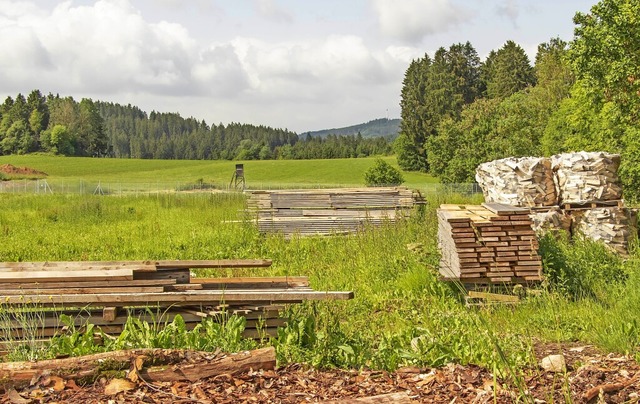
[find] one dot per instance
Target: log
(264, 358)
(390, 398)
(199, 365)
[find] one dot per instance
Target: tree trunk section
(197, 365)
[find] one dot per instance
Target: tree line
(61, 125)
(458, 111)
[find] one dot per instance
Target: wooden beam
(75, 290)
(189, 297)
(109, 313)
(497, 297)
(58, 275)
(196, 264)
(252, 282)
(86, 284)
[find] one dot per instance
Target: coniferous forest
(64, 126)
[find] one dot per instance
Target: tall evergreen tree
(414, 126)
(432, 91)
(507, 71)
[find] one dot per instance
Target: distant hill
(382, 127)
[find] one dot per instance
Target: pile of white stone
(570, 192)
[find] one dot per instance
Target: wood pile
(492, 243)
(610, 225)
(106, 294)
(526, 181)
(328, 211)
(553, 219)
(584, 182)
(587, 177)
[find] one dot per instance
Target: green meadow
(258, 174)
(402, 314)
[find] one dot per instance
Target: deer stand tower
(237, 180)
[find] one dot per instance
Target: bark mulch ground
(590, 377)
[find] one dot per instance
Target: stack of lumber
(610, 225)
(328, 211)
(526, 181)
(587, 177)
(552, 219)
(492, 243)
(107, 293)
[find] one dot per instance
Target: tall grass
(402, 313)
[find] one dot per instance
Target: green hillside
(382, 127)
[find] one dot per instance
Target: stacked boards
(328, 211)
(106, 294)
(492, 243)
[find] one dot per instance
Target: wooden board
(59, 275)
(192, 296)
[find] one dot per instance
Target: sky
(303, 65)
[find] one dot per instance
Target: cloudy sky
(297, 64)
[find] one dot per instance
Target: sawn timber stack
(329, 211)
(107, 293)
(492, 243)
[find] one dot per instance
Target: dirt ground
(590, 377)
(11, 169)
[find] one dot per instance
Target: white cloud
(413, 20)
(108, 50)
(316, 70)
(272, 12)
(510, 10)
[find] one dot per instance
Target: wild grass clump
(580, 267)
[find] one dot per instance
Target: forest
(61, 125)
(458, 111)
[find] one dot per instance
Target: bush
(382, 174)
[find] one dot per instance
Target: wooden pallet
(619, 203)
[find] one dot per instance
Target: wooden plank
(53, 275)
(196, 264)
(180, 276)
(75, 265)
(190, 297)
(87, 284)
(182, 287)
(504, 209)
(252, 282)
(493, 296)
(73, 291)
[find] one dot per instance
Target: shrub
(382, 174)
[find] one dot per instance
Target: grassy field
(401, 315)
(259, 174)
